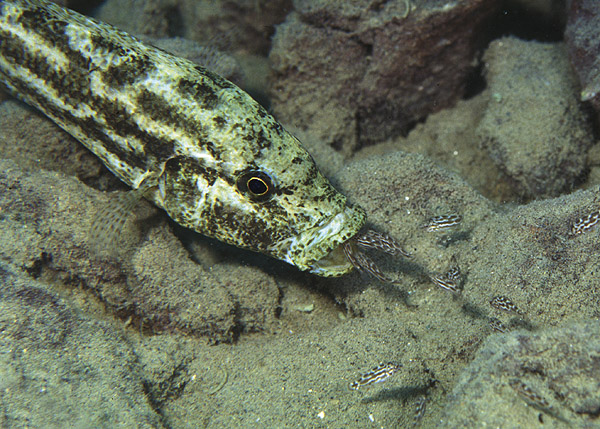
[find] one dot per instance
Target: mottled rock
(534, 127)
(359, 72)
(60, 368)
(529, 255)
(450, 139)
(502, 387)
(244, 26)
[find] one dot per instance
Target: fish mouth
(319, 249)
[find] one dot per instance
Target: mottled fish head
(258, 188)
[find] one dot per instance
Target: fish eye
(257, 184)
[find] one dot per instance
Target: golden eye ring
(256, 184)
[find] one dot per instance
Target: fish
(370, 239)
(497, 325)
(450, 280)
(442, 222)
(378, 374)
(444, 282)
(179, 135)
(505, 304)
(586, 223)
(420, 409)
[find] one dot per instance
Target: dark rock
(356, 73)
(239, 25)
(583, 42)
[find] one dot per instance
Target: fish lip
(319, 249)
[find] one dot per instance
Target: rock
(213, 59)
(244, 26)
(449, 138)
(583, 44)
(534, 128)
(154, 18)
(149, 280)
(560, 366)
(239, 25)
(34, 142)
(530, 255)
(60, 368)
(360, 72)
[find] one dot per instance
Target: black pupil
(257, 186)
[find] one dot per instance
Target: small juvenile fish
(448, 281)
(420, 408)
(528, 394)
(586, 223)
(375, 241)
(454, 274)
(438, 223)
(444, 282)
(363, 263)
(497, 325)
(503, 303)
(379, 374)
(379, 241)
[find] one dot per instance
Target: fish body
(191, 141)
(378, 374)
(450, 280)
(586, 223)
(445, 282)
(505, 304)
(442, 222)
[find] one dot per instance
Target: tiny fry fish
(444, 282)
(438, 223)
(420, 408)
(378, 374)
(448, 281)
(529, 395)
(497, 325)
(505, 304)
(376, 240)
(535, 400)
(586, 223)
